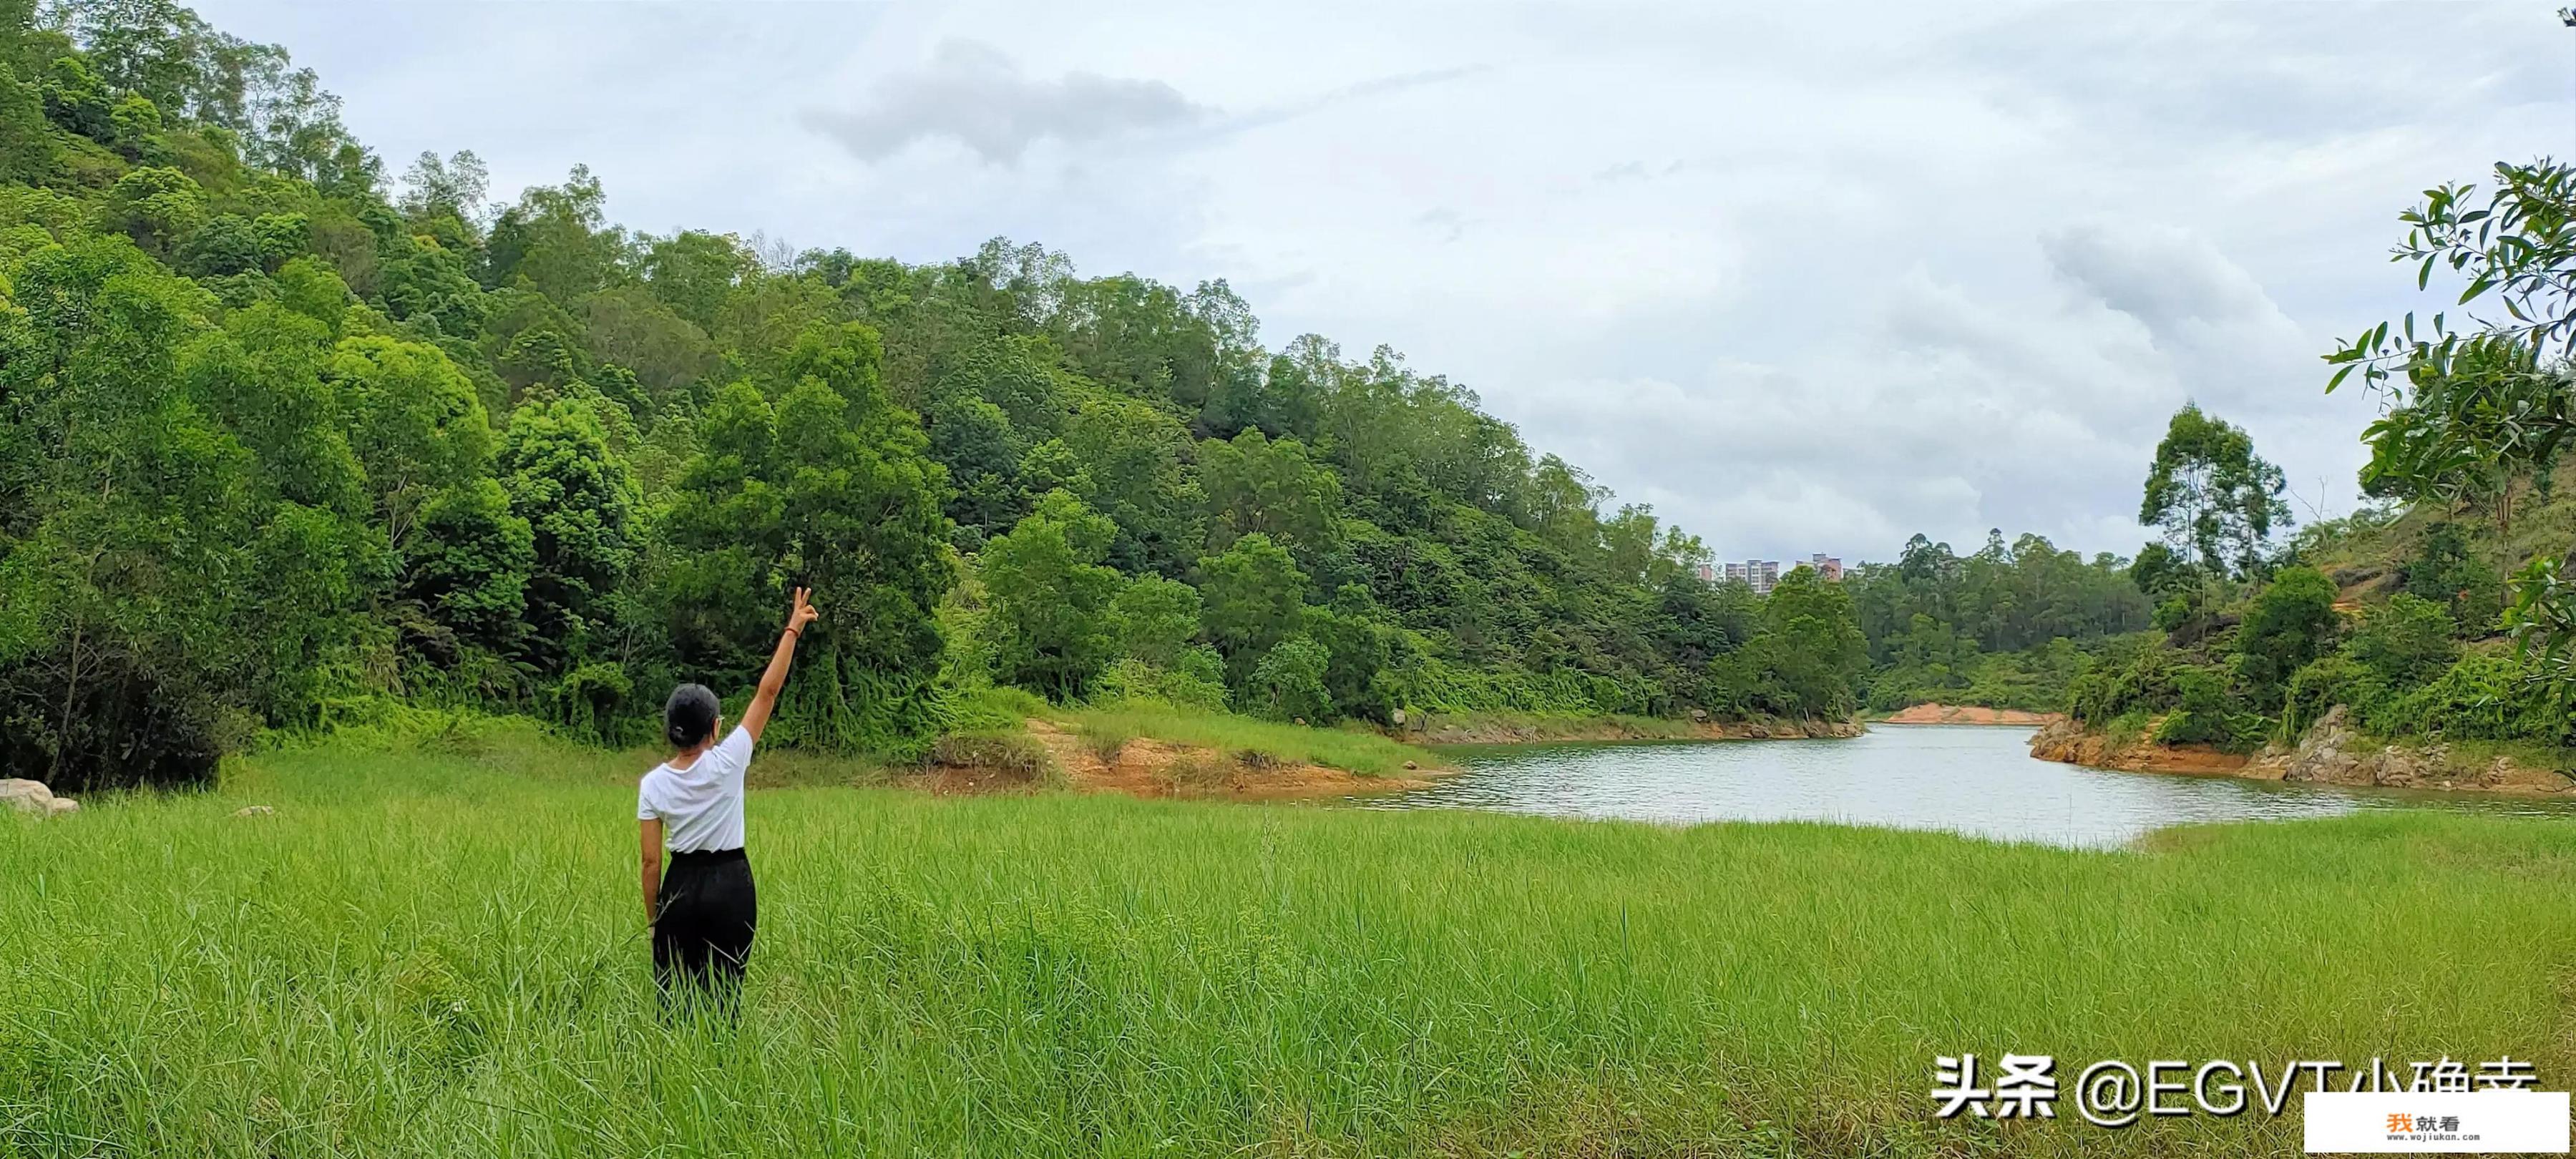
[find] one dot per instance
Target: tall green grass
(440, 954)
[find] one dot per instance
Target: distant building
(1758, 574)
(1707, 574)
(1764, 574)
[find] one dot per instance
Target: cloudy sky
(1805, 278)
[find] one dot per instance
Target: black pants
(702, 936)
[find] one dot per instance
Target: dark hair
(690, 715)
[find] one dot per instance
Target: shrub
(2322, 685)
(2485, 696)
(586, 702)
(2145, 683)
(1196, 681)
(2206, 712)
(995, 708)
(1016, 753)
(2444, 572)
(2405, 642)
(1426, 682)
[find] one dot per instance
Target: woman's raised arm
(756, 717)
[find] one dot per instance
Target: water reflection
(1965, 779)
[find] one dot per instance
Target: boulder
(61, 805)
(26, 796)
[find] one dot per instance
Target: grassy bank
(440, 954)
(1354, 749)
(1561, 726)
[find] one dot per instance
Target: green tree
(2291, 623)
(862, 502)
(134, 530)
(453, 188)
(1051, 598)
(431, 285)
(76, 99)
(154, 206)
(1276, 488)
(414, 421)
(27, 154)
(1359, 647)
(557, 238)
(2476, 407)
(1153, 620)
(466, 564)
(693, 273)
(726, 522)
(974, 440)
(1254, 597)
(580, 502)
(1805, 660)
(1289, 682)
(1810, 647)
(833, 489)
(1127, 460)
(2215, 498)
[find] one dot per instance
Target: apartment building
(1764, 574)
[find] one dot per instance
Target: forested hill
(2010, 625)
(287, 440)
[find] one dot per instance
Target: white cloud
(974, 94)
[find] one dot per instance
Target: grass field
(440, 954)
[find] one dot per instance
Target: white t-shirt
(700, 806)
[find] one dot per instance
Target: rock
(1410, 766)
(27, 796)
(61, 805)
(1399, 718)
(1699, 714)
(253, 811)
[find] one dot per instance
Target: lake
(1978, 780)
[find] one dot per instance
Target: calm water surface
(1968, 779)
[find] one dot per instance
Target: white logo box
(2490, 1122)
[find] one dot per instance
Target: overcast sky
(1805, 278)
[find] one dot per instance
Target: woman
(703, 912)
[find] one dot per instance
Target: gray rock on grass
(27, 796)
